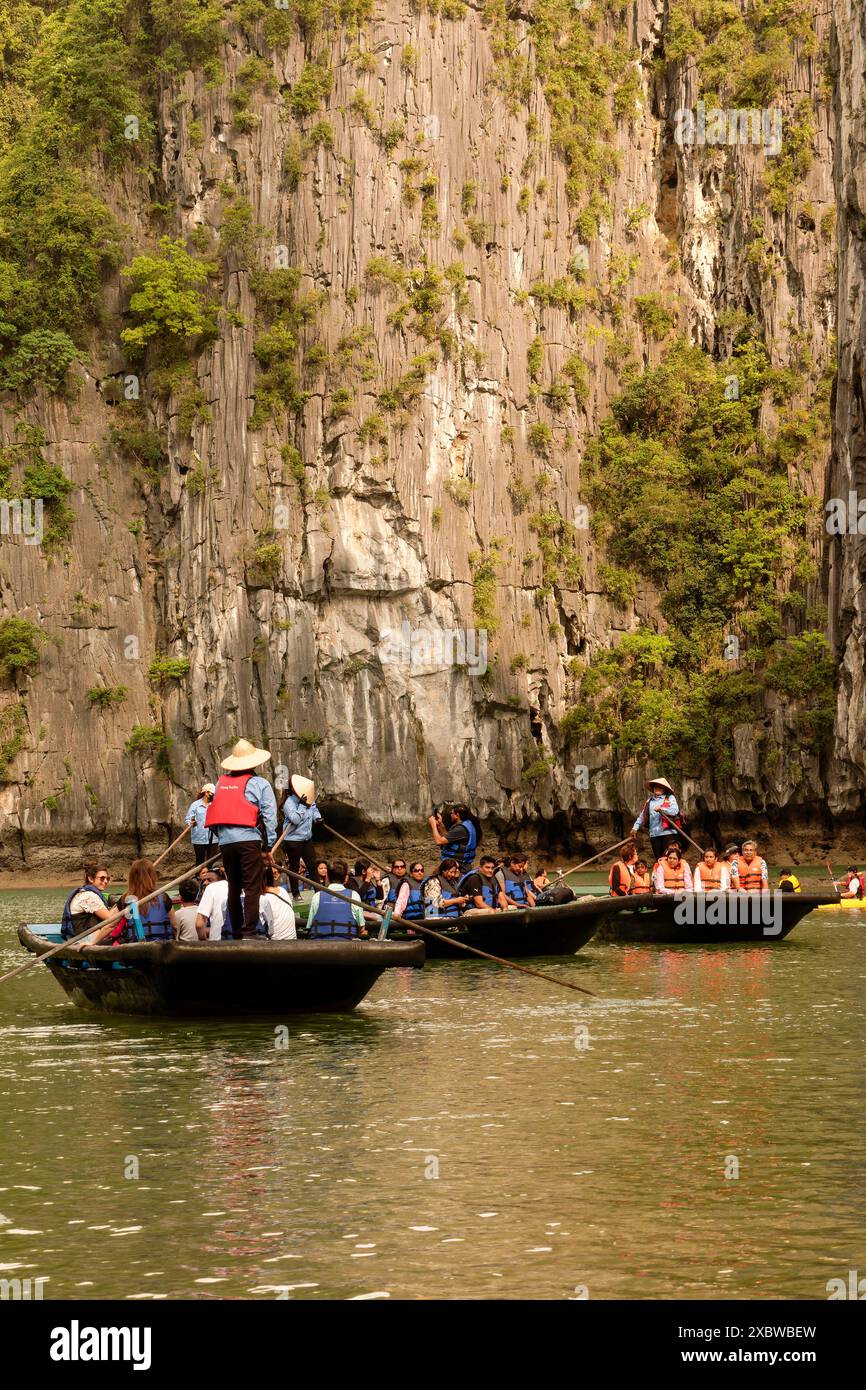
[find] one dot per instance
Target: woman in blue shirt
(658, 816)
(300, 814)
(200, 836)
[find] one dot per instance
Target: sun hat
(244, 756)
(208, 787)
(304, 788)
(659, 782)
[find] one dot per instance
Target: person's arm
(765, 873)
(202, 927)
(189, 819)
(315, 813)
(687, 878)
(401, 899)
(269, 811)
(437, 830)
(724, 880)
(659, 879)
(358, 913)
(293, 812)
(530, 895)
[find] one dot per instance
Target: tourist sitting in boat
(749, 873)
(410, 899)
(515, 884)
(331, 916)
(277, 913)
(186, 915)
(855, 883)
(152, 922)
(366, 880)
(89, 904)
(672, 874)
(456, 834)
(641, 880)
(711, 875)
(212, 909)
(206, 876)
(396, 886)
(540, 882)
(441, 898)
(480, 886)
(320, 873)
(620, 879)
(788, 881)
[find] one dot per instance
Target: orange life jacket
(711, 879)
(674, 877)
(619, 891)
(642, 883)
(749, 875)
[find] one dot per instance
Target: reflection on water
(454, 1137)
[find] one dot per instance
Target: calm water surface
(310, 1171)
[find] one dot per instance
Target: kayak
(220, 978)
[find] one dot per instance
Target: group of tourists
(248, 897)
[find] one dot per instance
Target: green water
(310, 1171)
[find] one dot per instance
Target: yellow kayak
(849, 905)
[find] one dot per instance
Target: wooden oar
(167, 852)
(680, 831)
(450, 940)
(109, 921)
(428, 931)
(585, 863)
(832, 877)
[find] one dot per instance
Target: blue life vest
(414, 909)
(334, 916)
(448, 891)
(394, 887)
(69, 925)
(155, 921)
(489, 889)
(368, 895)
(466, 857)
(515, 888)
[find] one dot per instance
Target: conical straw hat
(303, 787)
(244, 756)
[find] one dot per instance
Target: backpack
(555, 896)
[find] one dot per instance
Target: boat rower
(855, 883)
(244, 815)
(659, 816)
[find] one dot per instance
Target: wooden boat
(220, 978)
(530, 931)
(703, 918)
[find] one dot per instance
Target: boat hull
(526, 932)
(229, 978)
(710, 919)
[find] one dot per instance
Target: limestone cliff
(396, 434)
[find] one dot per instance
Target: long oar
(450, 940)
(830, 872)
(109, 921)
(680, 831)
(167, 852)
(585, 863)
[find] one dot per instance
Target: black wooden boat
(220, 978)
(528, 931)
(705, 918)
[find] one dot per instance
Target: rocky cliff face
(467, 303)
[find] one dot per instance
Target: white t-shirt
(86, 901)
(184, 920)
(275, 909)
(213, 906)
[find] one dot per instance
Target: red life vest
(858, 881)
(749, 875)
(711, 879)
(674, 877)
(615, 885)
(229, 805)
(642, 883)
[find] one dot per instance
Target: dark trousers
(203, 852)
(295, 851)
(660, 843)
(245, 873)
